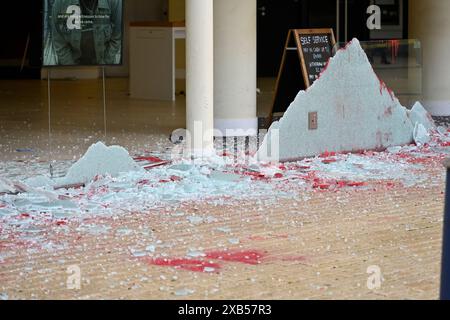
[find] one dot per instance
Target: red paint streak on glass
(149, 159)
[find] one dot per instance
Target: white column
(200, 74)
(235, 67)
(429, 22)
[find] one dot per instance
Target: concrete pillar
(200, 74)
(429, 22)
(235, 67)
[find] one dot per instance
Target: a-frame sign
(305, 56)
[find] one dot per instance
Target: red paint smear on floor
(251, 257)
(414, 160)
(325, 184)
(185, 264)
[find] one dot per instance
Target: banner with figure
(82, 32)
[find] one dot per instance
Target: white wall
(137, 10)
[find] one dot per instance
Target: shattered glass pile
(155, 182)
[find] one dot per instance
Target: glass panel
(399, 64)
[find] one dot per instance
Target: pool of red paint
(252, 257)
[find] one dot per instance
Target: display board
(316, 46)
(305, 56)
(82, 33)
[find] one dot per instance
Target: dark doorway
(21, 34)
(357, 20)
(275, 18)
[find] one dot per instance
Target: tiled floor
(321, 251)
(319, 244)
(77, 116)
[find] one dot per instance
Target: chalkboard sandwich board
(305, 57)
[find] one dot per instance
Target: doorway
(275, 18)
(21, 33)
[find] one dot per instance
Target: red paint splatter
(413, 160)
(255, 175)
(144, 182)
(97, 178)
(321, 186)
(325, 184)
(390, 184)
(388, 112)
(395, 47)
(329, 161)
(325, 68)
(171, 179)
(346, 46)
(149, 159)
(185, 264)
(356, 184)
(158, 164)
(384, 87)
(420, 160)
(328, 154)
(100, 191)
(246, 257)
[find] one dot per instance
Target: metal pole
(346, 21)
(104, 103)
(49, 99)
(445, 271)
(338, 20)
